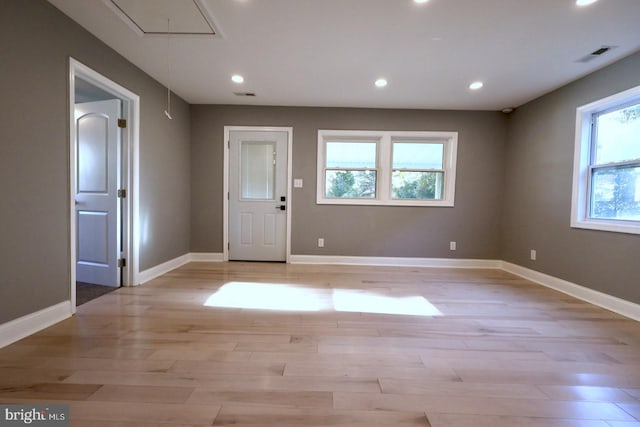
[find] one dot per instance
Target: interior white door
(257, 195)
(97, 207)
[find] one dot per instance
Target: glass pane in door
(257, 170)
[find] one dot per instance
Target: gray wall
(474, 222)
(538, 185)
(36, 41)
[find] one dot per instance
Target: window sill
(617, 226)
(373, 202)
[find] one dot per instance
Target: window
(418, 170)
(257, 177)
(351, 169)
(386, 168)
(606, 177)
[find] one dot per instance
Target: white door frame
(225, 192)
(130, 169)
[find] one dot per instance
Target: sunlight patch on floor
(368, 302)
(266, 296)
(286, 297)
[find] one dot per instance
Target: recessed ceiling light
(237, 78)
(476, 85)
(381, 82)
(420, 1)
(585, 2)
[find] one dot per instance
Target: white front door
(258, 195)
(97, 207)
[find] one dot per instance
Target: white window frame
(384, 165)
(581, 197)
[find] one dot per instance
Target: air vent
(601, 51)
(244, 94)
(596, 53)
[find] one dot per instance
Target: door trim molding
(131, 142)
(225, 182)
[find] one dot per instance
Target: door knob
(281, 207)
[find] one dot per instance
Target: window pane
(351, 184)
(615, 193)
(414, 155)
(417, 185)
(358, 155)
(257, 170)
(618, 136)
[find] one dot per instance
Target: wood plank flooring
(191, 349)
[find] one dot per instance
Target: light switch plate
(297, 183)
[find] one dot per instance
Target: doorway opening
(257, 193)
(103, 182)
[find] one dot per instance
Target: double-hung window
(351, 170)
(417, 170)
(606, 192)
(386, 168)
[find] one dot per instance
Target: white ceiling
(330, 52)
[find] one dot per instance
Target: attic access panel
(149, 17)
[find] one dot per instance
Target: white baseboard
(206, 257)
(395, 261)
(29, 324)
(609, 302)
(161, 269)
(172, 264)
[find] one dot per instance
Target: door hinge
(122, 123)
(228, 196)
(229, 144)
(122, 193)
(228, 245)
(122, 262)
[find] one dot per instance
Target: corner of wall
(606, 301)
(24, 326)
(160, 269)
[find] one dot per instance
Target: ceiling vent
(596, 53)
(150, 17)
(244, 94)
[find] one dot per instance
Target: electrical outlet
(321, 242)
(452, 246)
(534, 254)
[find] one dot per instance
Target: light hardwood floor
(497, 351)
